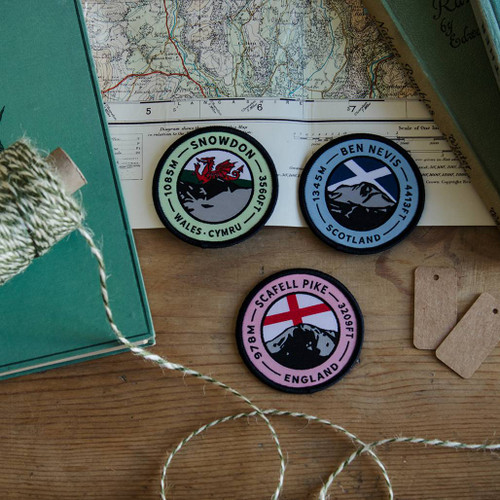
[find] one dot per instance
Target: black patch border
(346, 248)
(256, 227)
(300, 390)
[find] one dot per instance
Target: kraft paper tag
(435, 305)
(69, 173)
(473, 338)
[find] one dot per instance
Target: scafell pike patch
(214, 187)
(300, 331)
(361, 193)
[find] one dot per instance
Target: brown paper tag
(435, 305)
(473, 338)
(68, 172)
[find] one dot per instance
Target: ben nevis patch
(300, 331)
(215, 186)
(361, 193)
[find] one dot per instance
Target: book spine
(430, 97)
(487, 21)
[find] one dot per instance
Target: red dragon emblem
(209, 171)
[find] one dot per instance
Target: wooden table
(102, 429)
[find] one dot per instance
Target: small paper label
(473, 338)
(435, 311)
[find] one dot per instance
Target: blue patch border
(315, 210)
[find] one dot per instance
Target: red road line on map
(178, 52)
(157, 72)
(138, 75)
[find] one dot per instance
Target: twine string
(36, 213)
(164, 363)
(364, 448)
(281, 413)
(395, 440)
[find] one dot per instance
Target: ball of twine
(36, 213)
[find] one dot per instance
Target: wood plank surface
(102, 429)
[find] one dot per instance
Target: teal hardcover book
(487, 14)
(441, 45)
(53, 314)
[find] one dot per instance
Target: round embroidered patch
(299, 331)
(215, 186)
(361, 193)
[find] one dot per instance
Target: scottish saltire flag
(363, 169)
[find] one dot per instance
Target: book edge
(72, 359)
(114, 170)
(483, 11)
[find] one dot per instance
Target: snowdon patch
(214, 187)
(299, 330)
(361, 193)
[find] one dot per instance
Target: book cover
(440, 44)
(53, 314)
(487, 14)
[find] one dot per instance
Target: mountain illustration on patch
(214, 196)
(303, 346)
(360, 207)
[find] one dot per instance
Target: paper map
(162, 50)
(232, 62)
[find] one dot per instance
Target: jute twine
(36, 213)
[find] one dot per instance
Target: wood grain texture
(101, 429)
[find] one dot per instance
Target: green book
(53, 314)
(487, 14)
(441, 45)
